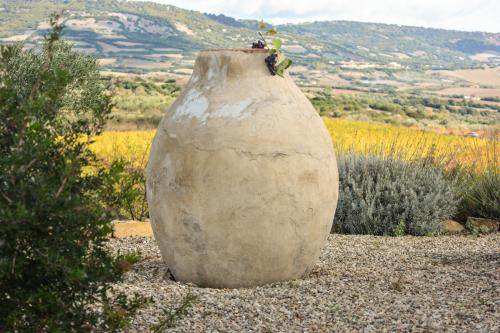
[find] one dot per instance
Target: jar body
(242, 181)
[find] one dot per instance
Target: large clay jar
(242, 181)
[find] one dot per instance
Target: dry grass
(483, 56)
(487, 76)
(106, 61)
(471, 91)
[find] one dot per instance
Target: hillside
(145, 36)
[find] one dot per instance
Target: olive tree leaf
(284, 64)
(261, 24)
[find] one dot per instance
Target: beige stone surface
(482, 225)
(242, 179)
(122, 229)
(453, 227)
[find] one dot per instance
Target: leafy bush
(140, 103)
(385, 196)
(124, 195)
(479, 181)
(55, 270)
(480, 195)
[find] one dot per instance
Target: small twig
(186, 302)
(29, 165)
(61, 187)
(264, 40)
(13, 265)
(9, 200)
(143, 204)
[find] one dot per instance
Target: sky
(467, 15)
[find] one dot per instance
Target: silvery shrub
(386, 196)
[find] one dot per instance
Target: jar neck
(228, 64)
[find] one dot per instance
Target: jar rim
(245, 50)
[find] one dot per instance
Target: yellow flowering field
(408, 143)
(132, 146)
(357, 136)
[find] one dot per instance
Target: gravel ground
(361, 283)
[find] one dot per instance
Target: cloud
(469, 15)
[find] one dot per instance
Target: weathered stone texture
(242, 178)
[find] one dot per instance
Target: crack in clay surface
(247, 151)
(238, 110)
(252, 155)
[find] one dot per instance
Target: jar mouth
(245, 50)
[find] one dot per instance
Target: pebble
(360, 283)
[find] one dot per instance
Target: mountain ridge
(142, 36)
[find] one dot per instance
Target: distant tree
(55, 270)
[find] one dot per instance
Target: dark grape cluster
(271, 62)
(258, 45)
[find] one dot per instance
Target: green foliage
(132, 258)
(116, 312)
(400, 229)
(491, 99)
(326, 104)
(282, 66)
(277, 43)
(55, 269)
(385, 196)
(480, 195)
(342, 39)
(141, 102)
(124, 193)
(173, 313)
(405, 109)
